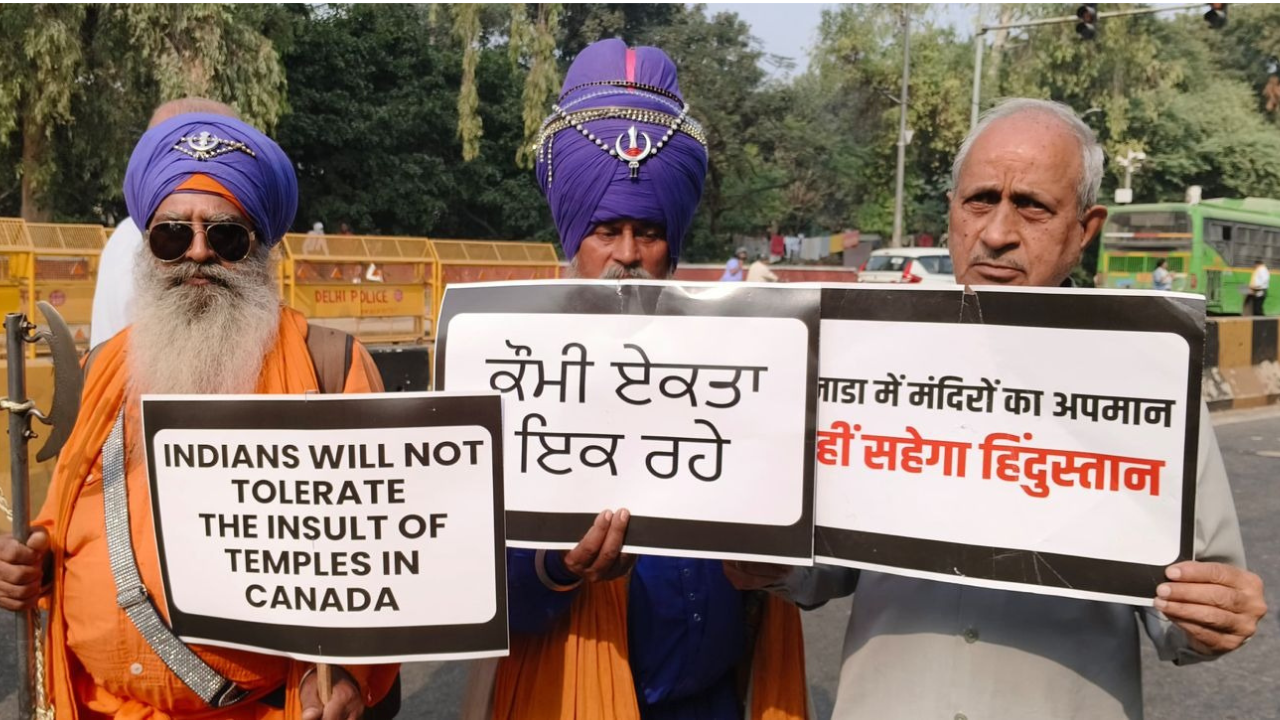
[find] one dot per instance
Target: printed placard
(1041, 440)
(691, 405)
(334, 528)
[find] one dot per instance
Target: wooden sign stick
(324, 682)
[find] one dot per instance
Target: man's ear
(1093, 220)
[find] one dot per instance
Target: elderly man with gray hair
(1022, 209)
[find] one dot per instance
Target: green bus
(1211, 247)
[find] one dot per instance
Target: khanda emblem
(207, 146)
(633, 155)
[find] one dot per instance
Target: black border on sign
(337, 413)
(667, 299)
(1073, 311)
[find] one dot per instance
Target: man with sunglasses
(113, 294)
(214, 196)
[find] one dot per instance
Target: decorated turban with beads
(217, 155)
(620, 144)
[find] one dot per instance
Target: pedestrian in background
(1258, 285)
(1161, 278)
(734, 270)
(760, 272)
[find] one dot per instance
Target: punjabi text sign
(325, 527)
(691, 405)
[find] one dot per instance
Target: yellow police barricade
(463, 261)
(57, 263)
(379, 289)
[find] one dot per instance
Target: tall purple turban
(244, 161)
(621, 145)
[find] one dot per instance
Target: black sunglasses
(170, 239)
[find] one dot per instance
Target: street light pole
(978, 45)
(896, 241)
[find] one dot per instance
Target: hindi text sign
(1050, 447)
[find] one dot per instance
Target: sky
(790, 29)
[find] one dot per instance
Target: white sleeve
(114, 292)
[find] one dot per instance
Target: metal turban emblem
(207, 146)
(632, 154)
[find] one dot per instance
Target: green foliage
(373, 129)
(537, 40)
(418, 119)
(466, 26)
(78, 82)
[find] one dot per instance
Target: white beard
(201, 339)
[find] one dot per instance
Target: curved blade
(67, 382)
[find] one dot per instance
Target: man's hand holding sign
(1218, 605)
(598, 556)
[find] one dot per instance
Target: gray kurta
(919, 649)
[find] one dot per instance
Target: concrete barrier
(1241, 368)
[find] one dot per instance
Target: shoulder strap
(331, 352)
(131, 594)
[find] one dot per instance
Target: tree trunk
(33, 151)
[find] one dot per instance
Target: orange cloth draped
(204, 184)
(98, 665)
(579, 670)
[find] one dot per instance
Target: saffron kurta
(99, 665)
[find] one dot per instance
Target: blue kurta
(685, 624)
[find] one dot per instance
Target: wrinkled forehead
(1034, 147)
(203, 206)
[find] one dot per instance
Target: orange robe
(580, 669)
(98, 665)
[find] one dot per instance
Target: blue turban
(244, 161)
(585, 185)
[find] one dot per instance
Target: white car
(908, 265)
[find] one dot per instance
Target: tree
(373, 128)
(720, 76)
(83, 78)
(852, 86)
(38, 70)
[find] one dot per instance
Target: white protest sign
(1049, 448)
(689, 405)
(357, 528)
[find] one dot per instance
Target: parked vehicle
(908, 265)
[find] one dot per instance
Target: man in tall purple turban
(621, 163)
(595, 633)
(212, 196)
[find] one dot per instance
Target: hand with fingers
(344, 703)
(598, 556)
(22, 570)
(1218, 605)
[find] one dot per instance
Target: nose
(626, 251)
(1002, 230)
(199, 251)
